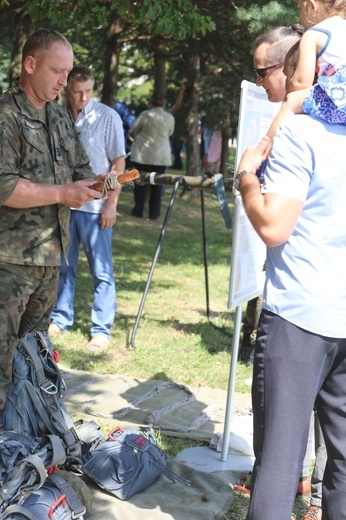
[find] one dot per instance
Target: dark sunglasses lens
(261, 73)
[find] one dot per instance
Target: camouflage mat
(165, 500)
(175, 409)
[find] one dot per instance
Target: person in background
(127, 118)
(151, 152)
(214, 152)
(206, 135)
(43, 171)
(91, 225)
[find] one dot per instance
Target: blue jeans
(293, 371)
(97, 244)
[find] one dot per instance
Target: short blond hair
(42, 39)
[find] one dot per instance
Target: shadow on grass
(214, 339)
(216, 335)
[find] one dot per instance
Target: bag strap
(18, 445)
(141, 444)
(51, 451)
(17, 510)
(46, 386)
(88, 432)
(174, 477)
(27, 475)
(44, 339)
(74, 502)
(78, 509)
(30, 388)
(55, 423)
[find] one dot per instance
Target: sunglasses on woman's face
(263, 72)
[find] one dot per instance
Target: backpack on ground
(55, 500)
(34, 404)
(24, 463)
(126, 463)
(40, 436)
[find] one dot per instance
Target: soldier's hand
(79, 193)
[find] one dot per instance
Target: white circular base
(205, 459)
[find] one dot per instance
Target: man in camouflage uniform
(44, 170)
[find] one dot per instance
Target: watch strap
(240, 175)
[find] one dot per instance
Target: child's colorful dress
(327, 98)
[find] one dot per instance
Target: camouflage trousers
(27, 297)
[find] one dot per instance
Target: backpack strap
(44, 339)
(55, 422)
(73, 501)
(30, 473)
(27, 475)
(51, 451)
(17, 446)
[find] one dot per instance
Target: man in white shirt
(300, 353)
(101, 132)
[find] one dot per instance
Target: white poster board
(256, 113)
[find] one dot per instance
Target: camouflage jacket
(42, 146)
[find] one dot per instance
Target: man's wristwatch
(239, 176)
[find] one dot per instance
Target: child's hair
(291, 58)
(331, 8)
(334, 7)
(291, 62)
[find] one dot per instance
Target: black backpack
(24, 463)
(55, 499)
(35, 398)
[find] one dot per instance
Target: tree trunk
(192, 92)
(24, 28)
(159, 67)
(110, 77)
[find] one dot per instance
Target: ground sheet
(173, 409)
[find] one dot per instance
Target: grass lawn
(174, 340)
(174, 325)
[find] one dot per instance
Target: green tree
(204, 43)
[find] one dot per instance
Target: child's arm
(304, 75)
(291, 106)
(301, 80)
